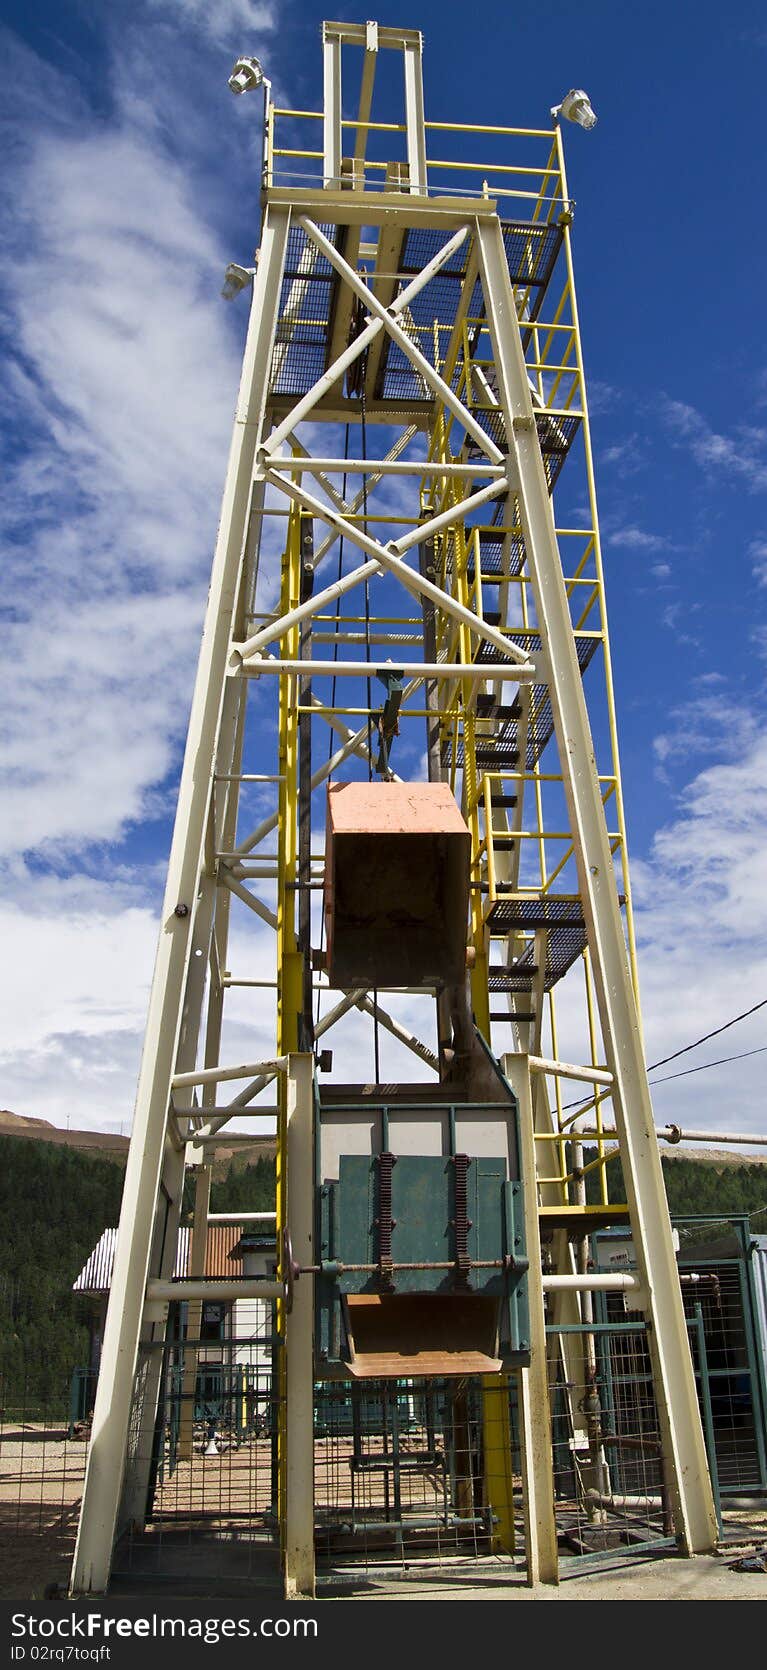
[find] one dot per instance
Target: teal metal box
(422, 1255)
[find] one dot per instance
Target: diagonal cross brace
(390, 557)
(309, 400)
(386, 317)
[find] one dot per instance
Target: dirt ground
(41, 1478)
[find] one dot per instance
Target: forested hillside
(54, 1204)
(695, 1186)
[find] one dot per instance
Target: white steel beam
(331, 63)
(256, 905)
(414, 117)
(679, 1414)
(163, 1292)
(400, 1032)
(218, 1075)
(620, 1281)
(566, 1070)
(535, 1410)
(361, 466)
(259, 664)
(111, 1416)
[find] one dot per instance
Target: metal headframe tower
(412, 385)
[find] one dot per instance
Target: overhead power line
(704, 1064)
(704, 1040)
(685, 1050)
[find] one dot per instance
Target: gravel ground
(41, 1476)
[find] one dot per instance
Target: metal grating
(492, 546)
(301, 338)
(310, 285)
(531, 254)
(401, 1467)
(556, 433)
(564, 943)
(501, 750)
(609, 1474)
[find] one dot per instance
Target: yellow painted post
(289, 963)
(496, 1442)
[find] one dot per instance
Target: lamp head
(246, 75)
(575, 107)
(235, 279)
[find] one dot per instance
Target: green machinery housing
(422, 1266)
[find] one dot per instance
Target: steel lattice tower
(421, 315)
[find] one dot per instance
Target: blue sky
(130, 179)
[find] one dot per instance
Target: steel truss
(450, 336)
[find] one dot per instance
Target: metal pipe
(216, 1075)
(414, 466)
(674, 1134)
(256, 665)
(615, 1282)
(241, 1217)
(230, 1139)
(618, 1502)
(565, 1069)
(235, 1289)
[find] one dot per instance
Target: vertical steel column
(534, 1406)
(332, 136)
(290, 984)
(414, 116)
(165, 1021)
(306, 1027)
(695, 1519)
(299, 1334)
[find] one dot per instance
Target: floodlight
(246, 75)
(575, 107)
(235, 279)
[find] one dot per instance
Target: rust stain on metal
(421, 1334)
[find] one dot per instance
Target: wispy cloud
(757, 552)
(741, 455)
(625, 456)
(602, 397)
(706, 728)
(633, 538)
(122, 368)
(224, 21)
(122, 374)
(701, 898)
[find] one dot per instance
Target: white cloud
(122, 373)
(224, 21)
(123, 377)
(757, 552)
(742, 455)
(602, 397)
(636, 539)
(701, 899)
(706, 727)
(627, 455)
